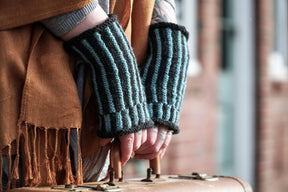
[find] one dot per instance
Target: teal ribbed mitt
(115, 78)
(165, 72)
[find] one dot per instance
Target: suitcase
(181, 183)
(154, 182)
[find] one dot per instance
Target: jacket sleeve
(15, 13)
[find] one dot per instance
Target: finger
(126, 147)
(154, 153)
(144, 136)
(103, 142)
(148, 156)
(165, 145)
(162, 153)
(150, 140)
(155, 146)
(152, 135)
(137, 140)
(162, 133)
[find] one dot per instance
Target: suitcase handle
(154, 164)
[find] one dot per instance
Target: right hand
(128, 144)
(156, 143)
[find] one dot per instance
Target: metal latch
(109, 186)
(199, 176)
(80, 188)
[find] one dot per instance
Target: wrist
(96, 17)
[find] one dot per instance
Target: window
(277, 61)
(187, 16)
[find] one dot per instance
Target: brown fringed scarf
(40, 94)
(39, 105)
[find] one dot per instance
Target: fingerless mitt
(164, 74)
(115, 78)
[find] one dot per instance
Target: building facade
(235, 112)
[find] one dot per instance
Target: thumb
(127, 142)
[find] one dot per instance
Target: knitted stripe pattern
(115, 77)
(165, 72)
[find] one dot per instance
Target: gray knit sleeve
(62, 24)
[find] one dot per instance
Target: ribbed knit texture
(115, 77)
(165, 73)
(62, 24)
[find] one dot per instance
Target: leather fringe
(9, 168)
(27, 176)
(69, 175)
(1, 167)
(53, 169)
(79, 179)
(36, 147)
(49, 179)
(15, 172)
(35, 165)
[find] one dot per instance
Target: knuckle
(149, 142)
(165, 145)
(130, 139)
(154, 149)
(137, 145)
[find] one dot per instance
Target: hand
(156, 143)
(129, 143)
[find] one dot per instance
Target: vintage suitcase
(180, 183)
(154, 182)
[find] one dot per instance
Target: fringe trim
(55, 161)
(1, 168)
(9, 167)
(15, 171)
(28, 175)
(69, 175)
(79, 179)
(35, 172)
(49, 179)
(53, 169)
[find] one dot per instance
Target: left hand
(158, 139)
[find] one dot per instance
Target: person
(125, 91)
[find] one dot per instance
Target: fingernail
(132, 155)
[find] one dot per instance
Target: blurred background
(235, 113)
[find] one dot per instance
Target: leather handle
(116, 161)
(155, 165)
(116, 158)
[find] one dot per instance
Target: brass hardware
(111, 178)
(106, 187)
(157, 176)
(122, 176)
(69, 186)
(101, 187)
(199, 176)
(148, 178)
(82, 188)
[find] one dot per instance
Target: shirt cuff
(62, 24)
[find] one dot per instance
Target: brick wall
(272, 128)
